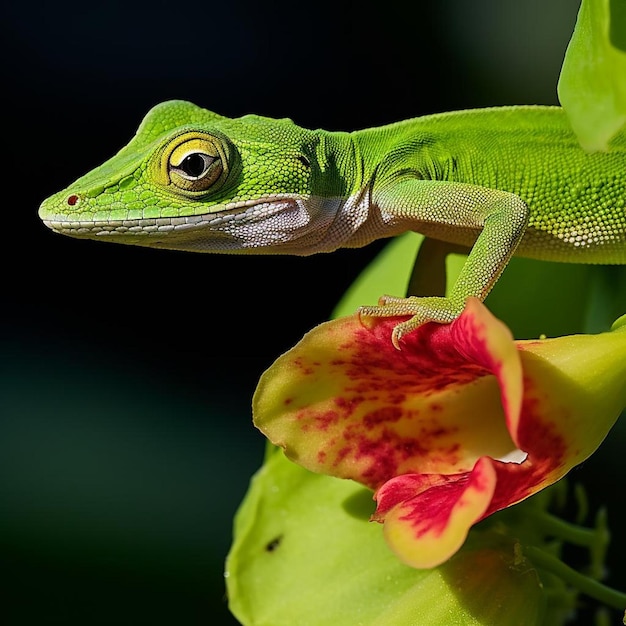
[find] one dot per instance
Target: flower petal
(427, 517)
(345, 402)
(487, 341)
(574, 391)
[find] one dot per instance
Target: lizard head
(193, 180)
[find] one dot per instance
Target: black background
(127, 373)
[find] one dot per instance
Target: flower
(461, 423)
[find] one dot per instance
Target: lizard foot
(422, 310)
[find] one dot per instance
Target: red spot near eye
(72, 200)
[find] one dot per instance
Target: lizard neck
(345, 169)
(341, 190)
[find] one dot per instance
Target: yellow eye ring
(194, 162)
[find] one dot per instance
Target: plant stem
(588, 586)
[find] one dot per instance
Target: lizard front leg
(461, 213)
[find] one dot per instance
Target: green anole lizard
(500, 180)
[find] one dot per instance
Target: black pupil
(194, 164)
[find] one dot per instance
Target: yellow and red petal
(345, 402)
(427, 517)
(485, 340)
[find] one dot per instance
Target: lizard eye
(194, 166)
(194, 162)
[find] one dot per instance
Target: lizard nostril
(73, 200)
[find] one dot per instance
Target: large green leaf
(305, 554)
(592, 85)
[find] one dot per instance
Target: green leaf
(592, 84)
(305, 553)
(536, 297)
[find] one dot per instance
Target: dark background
(127, 373)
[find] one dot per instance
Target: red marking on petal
(427, 500)
(324, 420)
(347, 406)
(389, 414)
(305, 369)
(385, 454)
(340, 455)
(537, 432)
(381, 452)
(428, 361)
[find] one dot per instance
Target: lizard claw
(403, 328)
(421, 310)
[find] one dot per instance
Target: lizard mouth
(217, 221)
(269, 225)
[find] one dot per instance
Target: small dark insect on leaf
(273, 544)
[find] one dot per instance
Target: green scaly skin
(500, 180)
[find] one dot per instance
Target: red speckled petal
(345, 402)
(427, 517)
(485, 340)
(574, 392)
